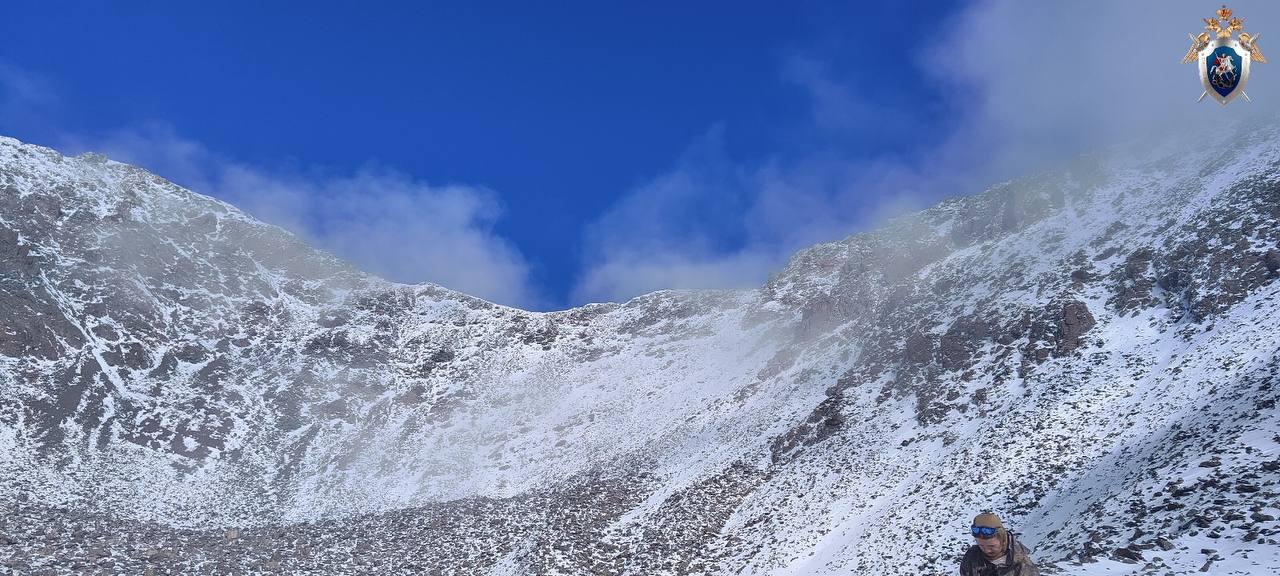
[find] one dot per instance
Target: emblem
(1223, 59)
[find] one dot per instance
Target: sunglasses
(983, 531)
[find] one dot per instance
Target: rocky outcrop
(258, 384)
(1073, 322)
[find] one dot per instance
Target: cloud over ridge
(1023, 85)
(383, 221)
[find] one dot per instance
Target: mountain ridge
(682, 432)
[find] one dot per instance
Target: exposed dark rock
(824, 421)
(1072, 324)
(283, 365)
(961, 340)
(1134, 282)
(1127, 555)
(1271, 260)
(918, 348)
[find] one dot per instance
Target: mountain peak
(1083, 350)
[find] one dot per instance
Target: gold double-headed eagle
(1223, 26)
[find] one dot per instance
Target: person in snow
(995, 551)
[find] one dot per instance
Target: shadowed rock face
(172, 368)
(1074, 322)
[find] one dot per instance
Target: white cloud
(710, 223)
(1032, 84)
(1050, 79)
(627, 274)
(158, 148)
(382, 221)
(668, 232)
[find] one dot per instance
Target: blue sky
(549, 154)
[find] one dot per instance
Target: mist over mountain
(1092, 352)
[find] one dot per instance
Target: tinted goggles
(984, 531)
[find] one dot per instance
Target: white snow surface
(271, 383)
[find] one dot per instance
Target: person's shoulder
(1021, 553)
(972, 560)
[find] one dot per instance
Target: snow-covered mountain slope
(1094, 353)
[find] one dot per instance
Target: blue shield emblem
(1224, 51)
(1224, 68)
